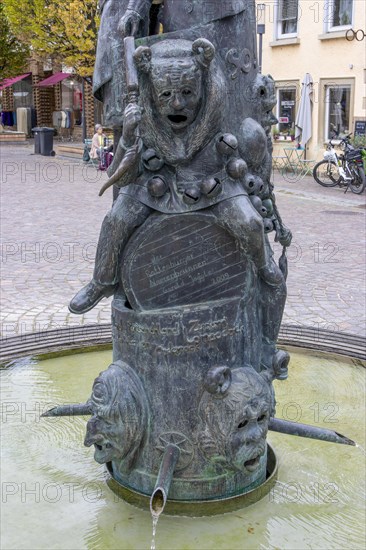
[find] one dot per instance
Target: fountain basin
(199, 508)
(52, 480)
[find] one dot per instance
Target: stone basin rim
(94, 337)
(58, 343)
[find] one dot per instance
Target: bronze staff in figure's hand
(127, 154)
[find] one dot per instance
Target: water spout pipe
(305, 430)
(79, 409)
(165, 476)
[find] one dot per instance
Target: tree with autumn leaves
(13, 53)
(61, 30)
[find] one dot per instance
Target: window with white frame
(337, 110)
(286, 113)
(287, 18)
(338, 14)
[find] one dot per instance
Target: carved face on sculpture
(265, 92)
(237, 423)
(181, 92)
(119, 417)
(177, 93)
(247, 442)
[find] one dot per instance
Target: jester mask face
(177, 93)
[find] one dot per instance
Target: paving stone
(49, 232)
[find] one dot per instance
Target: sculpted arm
(283, 233)
(137, 11)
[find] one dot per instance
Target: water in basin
(54, 494)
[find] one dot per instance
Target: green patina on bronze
(184, 409)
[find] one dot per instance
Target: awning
(10, 81)
(54, 79)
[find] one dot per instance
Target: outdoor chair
(296, 163)
(94, 162)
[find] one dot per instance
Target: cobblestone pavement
(50, 220)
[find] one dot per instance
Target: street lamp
(83, 117)
(261, 29)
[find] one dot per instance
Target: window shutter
(288, 10)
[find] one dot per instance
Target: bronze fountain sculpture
(184, 410)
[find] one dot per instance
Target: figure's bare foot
(89, 296)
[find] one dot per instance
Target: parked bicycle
(345, 170)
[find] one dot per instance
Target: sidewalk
(50, 220)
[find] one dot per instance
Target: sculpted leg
(272, 300)
(125, 216)
(240, 218)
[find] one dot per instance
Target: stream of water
(155, 520)
(54, 495)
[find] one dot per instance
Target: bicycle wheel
(357, 185)
(326, 173)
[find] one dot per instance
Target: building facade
(45, 101)
(327, 40)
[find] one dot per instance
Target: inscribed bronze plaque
(182, 260)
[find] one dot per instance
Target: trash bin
(37, 140)
(43, 141)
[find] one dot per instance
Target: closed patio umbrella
(303, 123)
